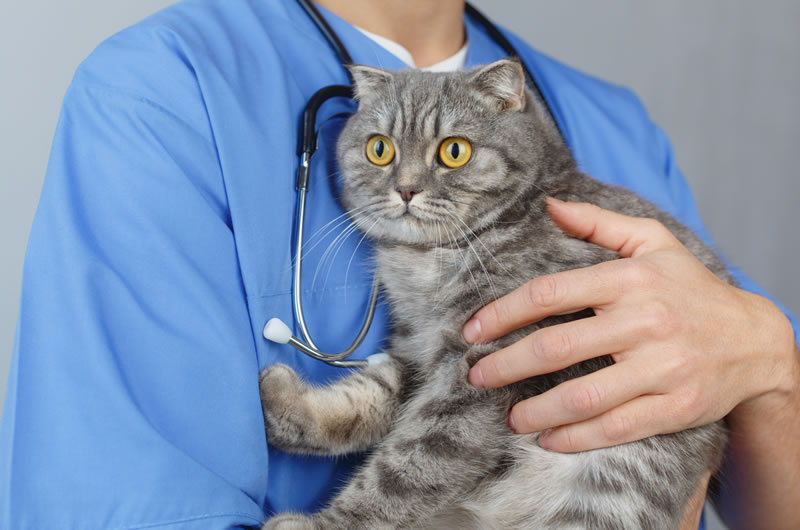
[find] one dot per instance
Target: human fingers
(553, 294)
(555, 347)
(582, 398)
(629, 236)
(571, 291)
(637, 419)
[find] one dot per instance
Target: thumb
(628, 236)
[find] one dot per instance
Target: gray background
(721, 76)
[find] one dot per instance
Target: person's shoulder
(574, 84)
(167, 58)
(607, 126)
(580, 98)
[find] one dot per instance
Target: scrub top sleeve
(686, 210)
(133, 399)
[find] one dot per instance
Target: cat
(449, 173)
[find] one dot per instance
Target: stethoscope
(276, 330)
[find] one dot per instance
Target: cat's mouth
(413, 211)
(428, 215)
(410, 223)
(412, 207)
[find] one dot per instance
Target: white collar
(451, 64)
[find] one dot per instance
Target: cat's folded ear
(368, 80)
(503, 82)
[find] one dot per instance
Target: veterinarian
(163, 240)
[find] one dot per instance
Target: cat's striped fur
(444, 456)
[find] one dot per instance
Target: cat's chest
(420, 282)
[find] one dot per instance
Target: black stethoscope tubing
(276, 330)
(494, 32)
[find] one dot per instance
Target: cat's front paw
(279, 386)
(289, 521)
(287, 416)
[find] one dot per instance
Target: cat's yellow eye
(455, 152)
(380, 150)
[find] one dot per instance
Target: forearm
(764, 463)
(694, 510)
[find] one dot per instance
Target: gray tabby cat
(449, 174)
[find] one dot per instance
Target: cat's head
(432, 154)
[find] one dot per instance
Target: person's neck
(431, 30)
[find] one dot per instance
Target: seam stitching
(188, 519)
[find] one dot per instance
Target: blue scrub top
(162, 244)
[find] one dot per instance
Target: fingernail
(545, 441)
(554, 201)
(476, 376)
(511, 423)
(472, 331)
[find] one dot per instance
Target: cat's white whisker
(480, 261)
(452, 242)
(441, 258)
(333, 257)
(479, 240)
(329, 251)
(352, 215)
(355, 250)
(308, 247)
(466, 264)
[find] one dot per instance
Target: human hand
(687, 347)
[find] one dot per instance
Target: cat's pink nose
(407, 192)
